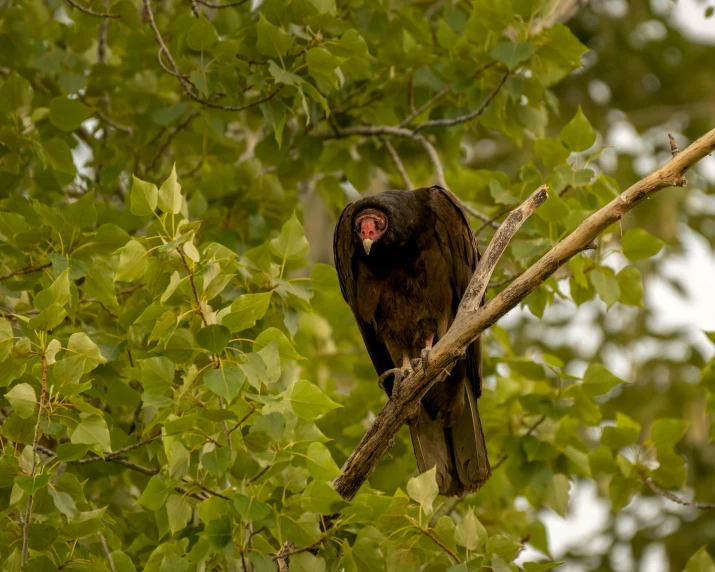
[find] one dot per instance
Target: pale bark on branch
(472, 319)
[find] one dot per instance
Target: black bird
(404, 260)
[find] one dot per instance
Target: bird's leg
(426, 350)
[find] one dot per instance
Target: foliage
(194, 375)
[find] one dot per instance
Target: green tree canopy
(180, 378)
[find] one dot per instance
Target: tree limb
(472, 320)
(655, 489)
(91, 12)
(398, 163)
(28, 270)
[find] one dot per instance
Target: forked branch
(472, 320)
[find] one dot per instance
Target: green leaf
(307, 401)
(320, 463)
(23, 399)
(246, 310)
(155, 493)
(179, 512)
(551, 152)
(272, 41)
(98, 283)
(93, 431)
(218, 533)
(132, 262)
(170, 199)
(202, 36)
(503, 547)
(225, 382)
(31, 485)
(320, 497)
(291, 244)
(701, 561)
(68, 114)
(217, 461)
(213, 338)
(324, 6)
(144, 197)
(512, 54)
(470, 533)
(424, 489)
(82, 212)
(250, 508)
(630, 282)
(666, 433)
(558, 494)
(59, 156)
(598, 380)
(638, 244)
(15, 94)
(578, 135)
(48, 319)
(606, 286)
(626, 432)
(57, 293)
(157, 374)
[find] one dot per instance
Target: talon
(397, 373)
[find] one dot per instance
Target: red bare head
(370, 225)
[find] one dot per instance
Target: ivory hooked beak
(367, 245)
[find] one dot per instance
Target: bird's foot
(396, 372)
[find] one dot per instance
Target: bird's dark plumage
(404, 260)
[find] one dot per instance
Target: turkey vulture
(404, 260)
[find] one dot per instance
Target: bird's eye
(381, 224)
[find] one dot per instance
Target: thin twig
(107, 553)
(285, 553)
(178, 129)
(35, 439)
(469, 116)
(184, 81)
(243, 419)
(428, 533)
(220, 6)
(110, 456)
(673, 145)
(434, 158)
(655, 489)
(398, 163)
(28, 270)
(199, 309)
(282, 559)
(195, 10)
(91, 12)
(417, 112)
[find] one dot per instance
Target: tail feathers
(458, 452)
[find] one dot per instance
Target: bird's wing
(462, 254)
(344, 251)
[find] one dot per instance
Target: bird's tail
(459, 452)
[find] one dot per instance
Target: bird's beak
(367, 245)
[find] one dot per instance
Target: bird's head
(370, 225)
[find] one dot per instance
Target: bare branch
(398, 163)
(28, 270)
(282, 559)
(107, 553)
(113, 454)
(35, 439)
(195, 10)
(673, 145)
(417, 112)
(220, 6)
(183, 79)
(434, 157)
(469, 116)
(429, 534)
(655, 489)
(91, 12)
(472, 319)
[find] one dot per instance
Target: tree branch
(398, 163)
(428, 533)
(91, 12)
(220, 6)
(107, 553)
(655, 489)
(35, 439)
(471, 320)
(469, 116)
(184, 81)
(28, 270)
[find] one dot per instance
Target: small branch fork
(471, 319)
(655, 489)
(185, 82)
(91, 12)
